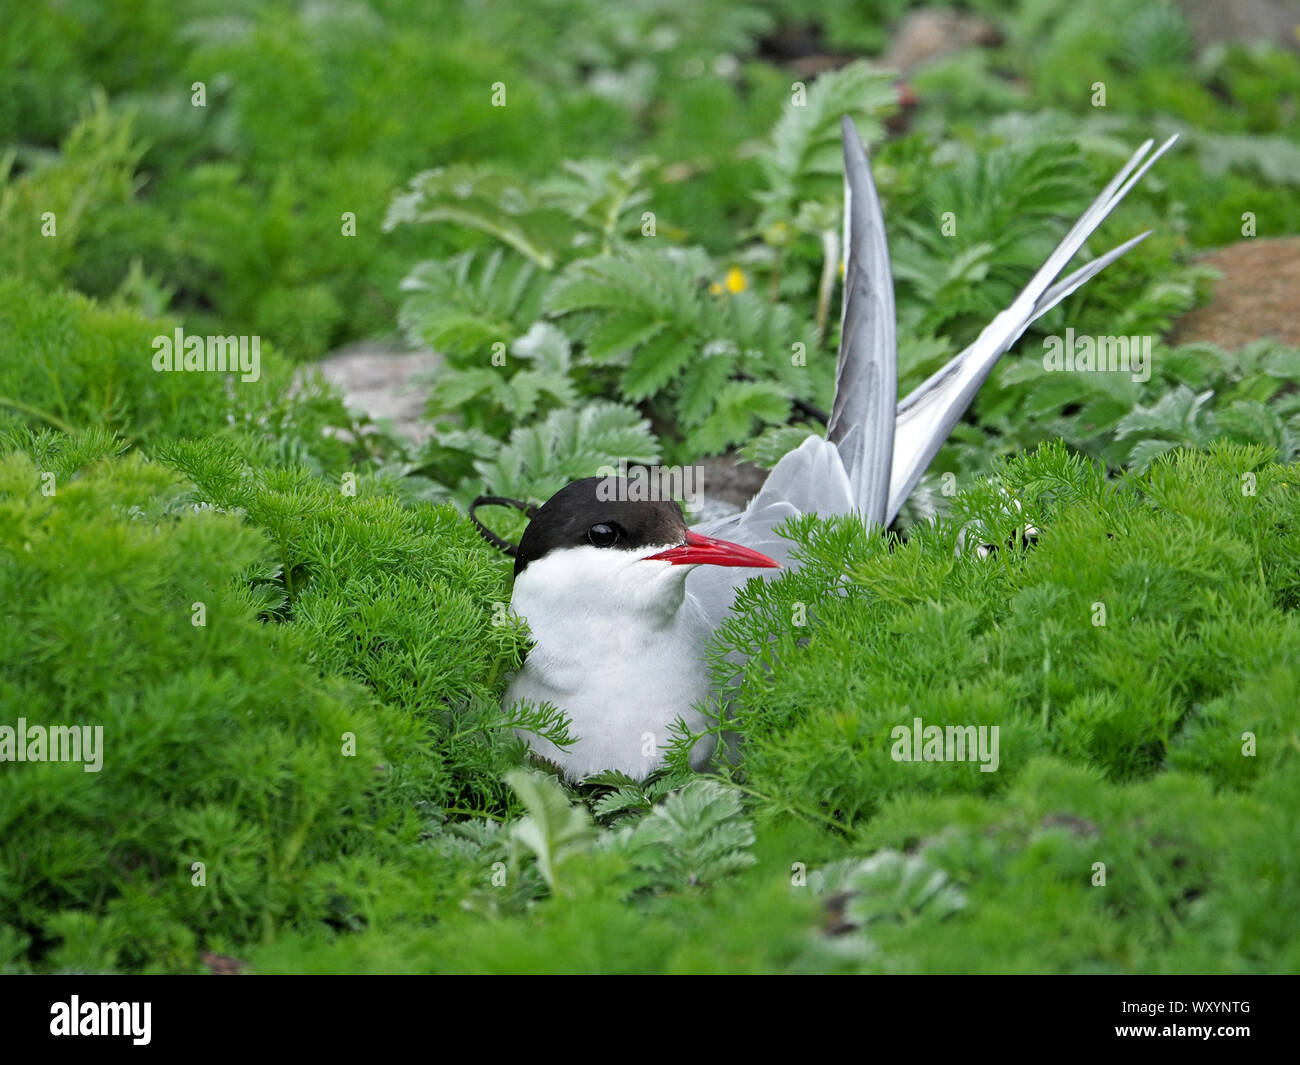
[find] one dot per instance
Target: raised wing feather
(844, 473)
(861, 424)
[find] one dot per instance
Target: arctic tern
(621, 598)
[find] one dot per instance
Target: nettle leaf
(621, 802)
(655, 364)
(604, 430)
(1276, 158)
(997, 201)
(1199, 365)
(802, 161)
(1157, 36)
(1145, 452)
(699, 387)
(519, 394)
(547, 349)
(463, 304)
(492, 201)
(613, 337)
(555, 830)
(919, 356)
(738, 406)
(763, 332)
(630, 798)
(1035, 395)
(646, 309)
(540, 459)
(1280, 362)
(659, 283)
(468, 441)
(1153, 308)
(890, 886)
(952, 284)
(695, 837)
(545, 346)
(1177, 415)
(774, 443)
(1249, 421)
(541, 379)
(601, 195)
(453, 388)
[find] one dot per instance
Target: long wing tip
(855, 155)
(1164, 147)
(913, 455)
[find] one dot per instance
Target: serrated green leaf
(555, 830)
(615, 336)
(654, 365)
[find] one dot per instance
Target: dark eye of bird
(603, 535)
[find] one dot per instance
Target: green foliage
(695, 837)
(54, 211)
(247, 193)
(645, 313)
(463, 304)
(493, 202)
(1196, 393)
(553, 831)
(628, 797)
(642, 314)
(971, 215)
(621, 263)
(398, 596)
(998, 202)
(221, 744)
(890, 886)
(539, 459)
(1121, 744)
(805, 160)
(69, 363)
(1017, 639)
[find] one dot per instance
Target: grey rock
(384, 383)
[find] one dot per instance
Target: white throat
(619, 648)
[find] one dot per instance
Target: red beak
(705, 550)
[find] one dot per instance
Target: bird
(621, 598)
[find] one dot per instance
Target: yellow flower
(736, 280)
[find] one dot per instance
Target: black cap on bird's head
(595, 512)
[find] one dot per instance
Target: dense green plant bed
(619, 228)
(327, 742)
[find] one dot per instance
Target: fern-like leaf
(803, 159)
(695, 837)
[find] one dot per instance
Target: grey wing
(861, 424)
(811, 479)
(928, 414)
(850, 469)
(845, 472)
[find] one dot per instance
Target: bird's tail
(870, 432)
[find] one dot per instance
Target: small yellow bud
(736, 281)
